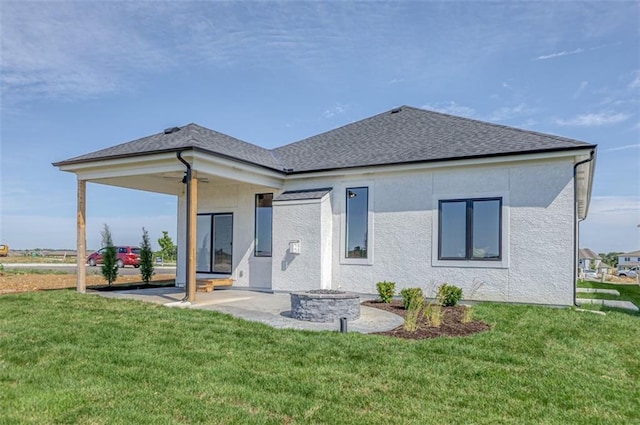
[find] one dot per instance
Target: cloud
(69, 50)
(338, 109)
(528, 123)
(560, 54)
(572, 52)
(508, 112)
(635, 84)
(623, 148)
(583, 85)
(452, 108)
(612, 224)
(594, 119)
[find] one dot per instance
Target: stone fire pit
(325, 305)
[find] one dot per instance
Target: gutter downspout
(187, 180)
(576, 222)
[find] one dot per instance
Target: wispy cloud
(635, 84)
(505, 113)
(570, 52)
(583, 85)
(337, 109)
(594, 119)
(78, 50)
(452, 108)
(623, 148)
(560, 54)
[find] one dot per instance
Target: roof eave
(160, 151)
(448, 159)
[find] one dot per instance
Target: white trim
(342, 187)
(205, 164)
(503, 263)
(302, 201)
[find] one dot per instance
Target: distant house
(628, 259)
(408, 195)
(588, 260)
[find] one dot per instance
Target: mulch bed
(131, 287)
(451, 322)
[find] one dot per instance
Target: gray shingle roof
(413, 135)
(588, 254)
(297, 195)
(189, 136)
(630, 254)
(402, 135)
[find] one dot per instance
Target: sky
(81, 76)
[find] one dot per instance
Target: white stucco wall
(238, 199)
(537, 232)
(307, 221)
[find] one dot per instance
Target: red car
(127, 256)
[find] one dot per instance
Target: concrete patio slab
(272, 309)
(626, 305)
(598, 291)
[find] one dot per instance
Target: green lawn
(73, 358)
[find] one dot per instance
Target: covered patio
(173, 163)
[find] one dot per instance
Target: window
(470, 229)
(357, 215)
(264, 218)
(214, 239)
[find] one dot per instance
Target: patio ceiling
(163, 173)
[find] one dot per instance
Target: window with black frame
(470, 229)
(356, 225)
(214, 239)
(263, 223)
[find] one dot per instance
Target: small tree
(167, 248)
(146, 257)
(109, 258)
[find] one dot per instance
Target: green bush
(386, 290)
(449, 295)
(412, 297)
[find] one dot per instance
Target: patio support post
(192, 209)
(82, 237)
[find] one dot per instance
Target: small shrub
(414, 309)
(434, 313)
(409, 295)
(449, 295)
(467, 314)
(386, 290)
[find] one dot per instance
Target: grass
(72, 358)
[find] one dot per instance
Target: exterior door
(214, 253)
